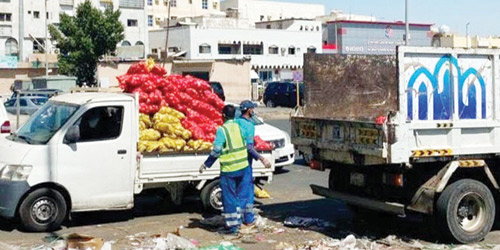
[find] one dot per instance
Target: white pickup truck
(62, 160)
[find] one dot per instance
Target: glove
(202, 168)
(266, 162)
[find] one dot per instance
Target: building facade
(376, 38)
(157, 10)
(259, 11)
(23, 27)
(275, 54)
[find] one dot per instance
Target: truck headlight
(15, 172)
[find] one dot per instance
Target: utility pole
(21, 30)
(166, 40)
(407, 33)
(46, 41)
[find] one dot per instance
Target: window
(261, 18)
(291, 51)
(133, 4)
(154, 51)
(311, 50)
(250, 49)
(205, 49)
(101, 123)
(268, 26)
(273, 50)
(229, 49)
(173, 3)
(36, 14)
(150, 2)
(47, 15)
(5, 17)
(23, 103)
(11, 47)
(150, 21)
(132, 22)
(138, 43)
(38, 46)
(126, 43)
(204, 4)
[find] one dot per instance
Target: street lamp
(467, 33)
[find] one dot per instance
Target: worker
(248, 131)
(229, 147)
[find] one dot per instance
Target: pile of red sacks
(189, 95)
(262, 145)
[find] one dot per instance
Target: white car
(284, 149)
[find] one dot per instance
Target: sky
(483, 15)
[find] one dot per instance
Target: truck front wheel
(466, 210)
(211, 196)
(43, 210)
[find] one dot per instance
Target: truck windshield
(44, 123)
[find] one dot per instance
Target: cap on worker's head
(245, 105)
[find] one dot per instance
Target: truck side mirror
(73, 134)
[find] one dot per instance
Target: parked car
(284, 150)
(48, 93)
(282, 94)
(4, 121)
(217, 89)
(28, 104)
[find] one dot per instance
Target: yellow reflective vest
(234, 155)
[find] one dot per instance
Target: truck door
(96, 169)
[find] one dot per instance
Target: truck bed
(185, 167)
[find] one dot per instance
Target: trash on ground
(296, 221)
(222, 246)
(80, 241)
(261, 193)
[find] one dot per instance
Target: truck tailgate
(350, 142)
(185, 167)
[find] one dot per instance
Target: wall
(375, 38)
(190, 38)
(159, 10)
(270, 10)
(7, 76)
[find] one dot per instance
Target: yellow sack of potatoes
(195, 144)
(152, 146)
(187, 148)
(142, 126)
(186, 134)
(146, 119)
(168, 142)
(173, 112)
(163, 127)
(141, 146)
(179, 144)
(149, 135)
(205, 146)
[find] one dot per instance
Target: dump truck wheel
(211, 196)
(466, 211)
(43, 210)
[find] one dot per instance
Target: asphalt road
(291, 196)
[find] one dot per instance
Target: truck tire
(466, 211)
(43, 210)
(211, 196)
